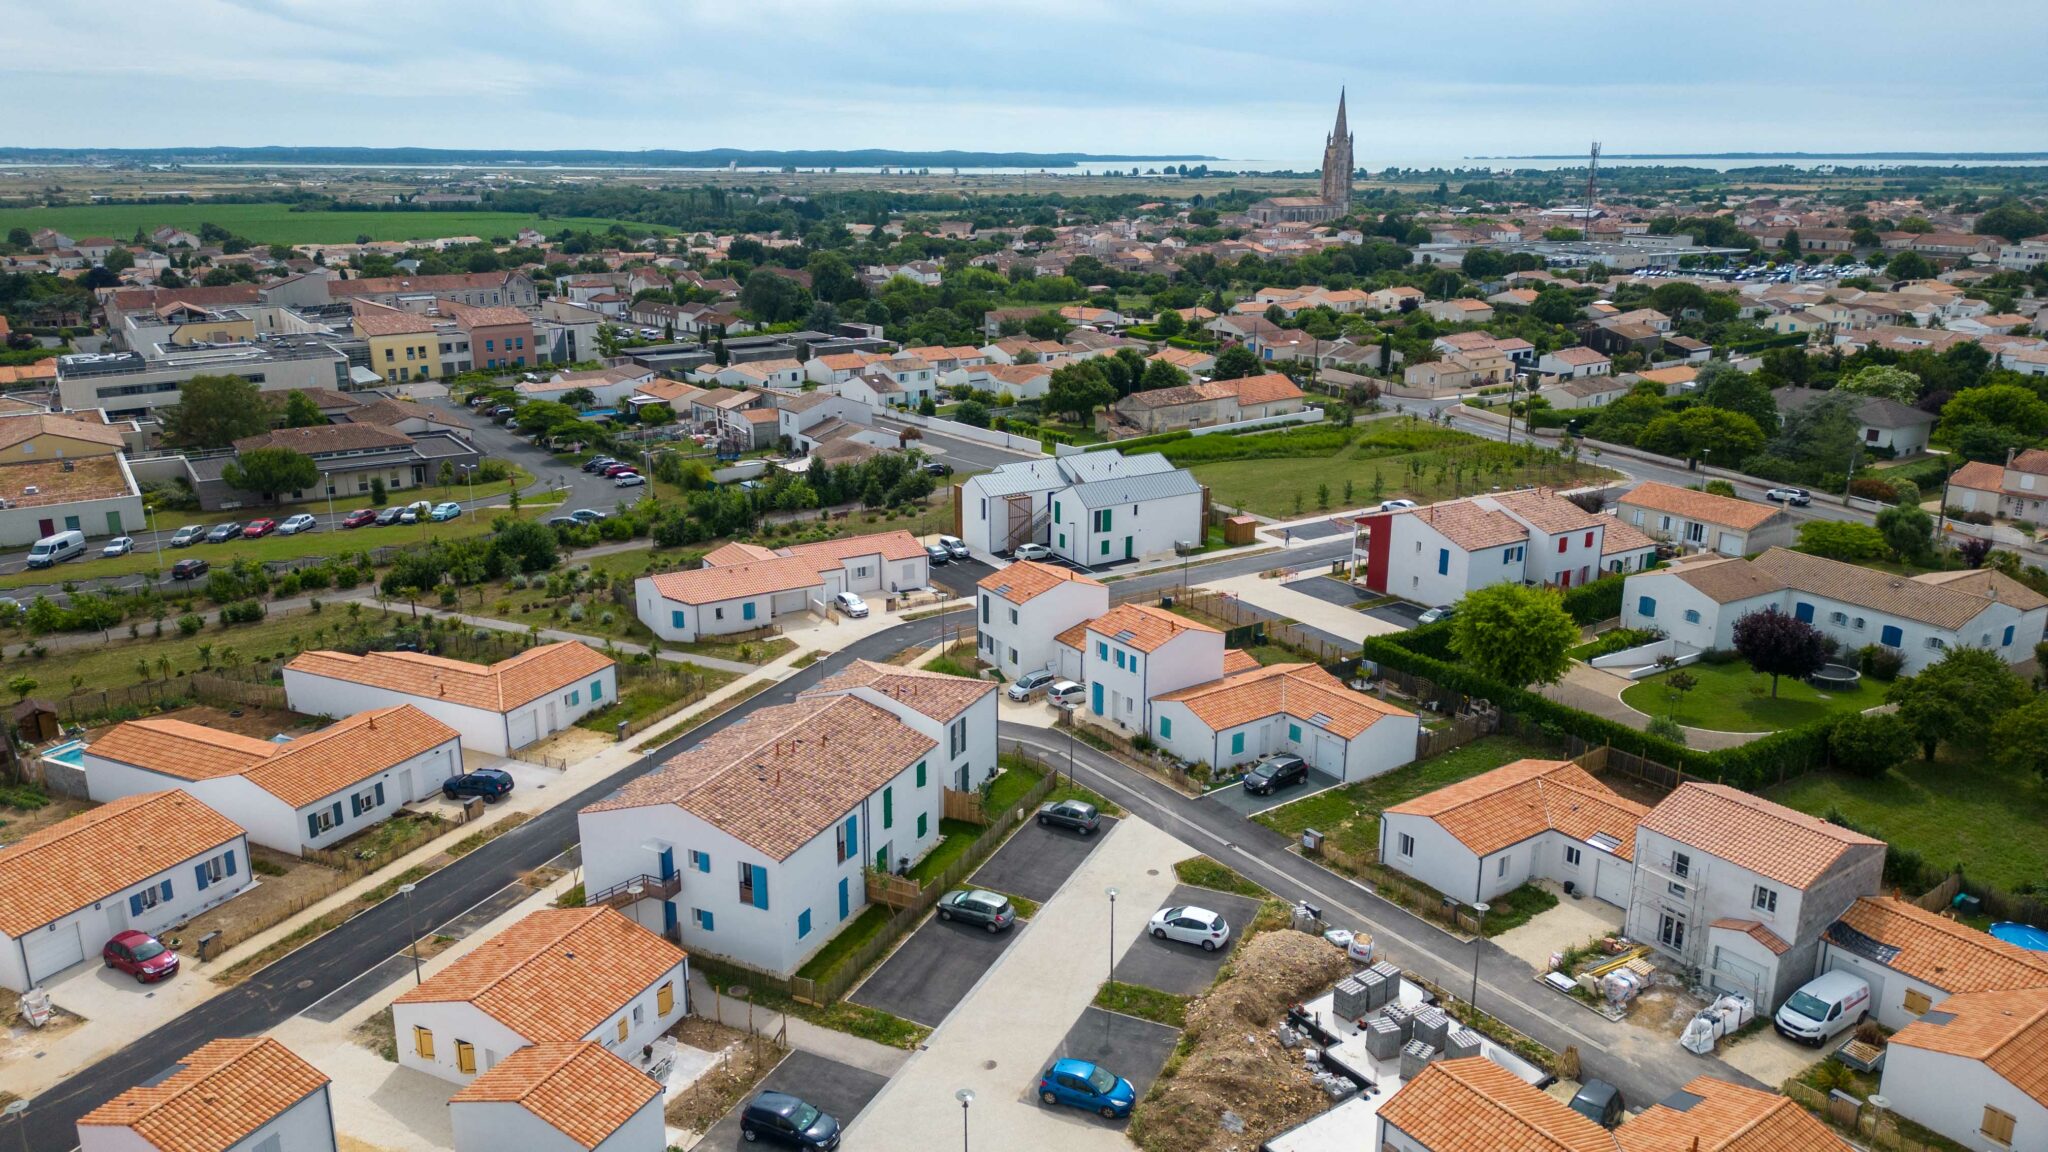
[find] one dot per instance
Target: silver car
(850, 605)
(1031, 684)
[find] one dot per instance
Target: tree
(2014, 220)
(2014, 407)
(1821, 435)
(21, 238)
(1841, 540)
(271, 472)
(1790, 244)
(119, 260)
(1554, 306)
(214, 412)
(1159, 374)
(1779, 645)
(1910, 266)
(972, 413)
(1908, 531)
(1168, 323)
(300, 411)
(2019, 739)
(378, 494)
(1716, 434)
(21, 685)
(1235, 363)
(1515, 634)
(1721, 385)
(1870, 744)
(1885, 381)
(1078, 389)
(1957, 699)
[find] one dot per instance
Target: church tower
(1337, 163)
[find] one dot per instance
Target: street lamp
(14, 1109)
(156, 539)
(634, 890)
(405, 890)
(966, 1097)
(327, 482)
(1480, 910)
(1111, 890)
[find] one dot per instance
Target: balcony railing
(621, 894)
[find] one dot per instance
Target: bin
(1311, 840)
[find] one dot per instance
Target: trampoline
(2025, 935)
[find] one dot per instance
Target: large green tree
(300, 411)
(1712, 434)
(1514, 634)
(2014, 407)
(1722, 385)
(271, 472)
(1235, 363)
(2019, 739)
(1843, 540)
(1958, 699)
(214, 412)
(1870, 744)
(1078, 390)
(1885, 381)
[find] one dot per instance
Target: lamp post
(634, 890)
(1111, 890)
(327, 482)
(405, 890)
(1480, 910)
(14, 1110)
(966, 1098)
(157, 540)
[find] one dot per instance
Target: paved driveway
(1245, 804)
(1321, 530)
(1132, 1048)
(1335, 591)
(841, 1090)
(1400, 613)
(933, 971)
(960, 576)
(1037, 860)
(1172, 966)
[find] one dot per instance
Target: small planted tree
(1515, 634)
(1870, 744)
(1779, 645)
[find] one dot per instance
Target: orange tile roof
(1548, 511)
(1769, 839)
(2006, 1031)
(491, 316)
(1475, 1105)
(101, 851)
(1303, 691)
(1237, 660)
(1266, 389)
(897, 545)
(1617, 537)
(1726, 1118)
(784, 774)
(1936, 950)
(1139, 626)
(297, 772)
(221, 1094)
(38, 372)
(1510, 804)
(734, 581)
(933, 694)
(581, 1090)
(1756, 931)
(1471, 526)
(1025, 580)
(558, 974)
(737, 552)
(499, 687)
(374, 319)
(16, 429)
(1702, 506)
(1943, 599)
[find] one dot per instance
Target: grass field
(1350, 816)
(1728, 700)
(278, 224)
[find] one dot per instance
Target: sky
(1427, 82)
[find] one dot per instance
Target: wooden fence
(895, 891)
(1864, 1123)
(1941, 895)
(226, 691)
(964, 806)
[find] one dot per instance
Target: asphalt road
(965, 455)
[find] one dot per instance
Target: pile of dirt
(1232, 1063)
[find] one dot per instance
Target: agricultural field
(278, 224)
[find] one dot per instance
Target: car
(189, 535)
(628, 480)
(415, 512)
(785, 1119)
(1280, 770)
(1600, 1102)
(140, 955)
(614, 469)
(850, 604)
(259, 528)
(596, 462)
(490, 783)
(991, 910)
(1075, 814)
(586, 516)
(564, 522)
(1190, 925)
(1440, 612)
(1064, 694)
(293, 525)
(222, 533)
(119, 546)
(1079, 1084)
(1796, 497)
(937, 468)
(501, 412)
(937, 554)
(1823, 1006)
(359, 518)
(1032, 552)
(389, 516)
(447, 510)
(189, 569)
(1395, 505)
(1031, 684)
(956, 546)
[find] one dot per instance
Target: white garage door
(1734, 973)
(525, 728)
(1329, 754)
(51, 952)
(1610, 881)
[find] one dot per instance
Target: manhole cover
(1151, 871)
(989, 1064)
(305, 984)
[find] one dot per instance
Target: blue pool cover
(2025, 935)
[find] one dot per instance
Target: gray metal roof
(1136, 489)
(1081, 468)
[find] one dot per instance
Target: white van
(56, 549)
(1823, 1006)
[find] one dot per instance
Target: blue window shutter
(1646, 606)
(675, 618)
(380, 794)
(231, 861)
(355, 806)
(1891, 635)
(166, 886)
(760, 887)
(337, 811)
(920, 763)
(1443, 561)
(1101, 650)
(844, 905)
(747, 610)
(596, 694)
(2008, 635)
(199, 871)
(135, 904)
(1294, 732)
(1236, 743)
(803, 923)
(1802, 612)
(1165, 728)
(312, 824)
(703, 861)
(852, 836)
(708, 922)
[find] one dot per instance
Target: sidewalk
(1302, 608)
(867, 1055)
(1590, 689)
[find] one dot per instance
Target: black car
(937, 468)
(389, 516)
(937, 555)
(784, 1119)
(191, 569)
(1082, 818)
(1274, 773)
(222, 533)
(489, 783)
(991, 910)
(564, 522)
(595, 463)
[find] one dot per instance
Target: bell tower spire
(1337, 163)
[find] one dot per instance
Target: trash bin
(1311, 840)
(206, 943)
(1967, 904)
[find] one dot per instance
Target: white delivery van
(56, 549)
(1823, 1006)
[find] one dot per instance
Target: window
(596, 691)
(1443, 561)
(1916, 1001)
(746, 883)
(803, 923)
(1236, 743)
(1589, 539)
(984, 608)
(1165, 728)
(624, 1030)
(1646, 606)
(747, 610)
(1013, 616)
(366, 800)
(1571, 856)
(573, 698)
(1681, 867)
(1764, 899)
(920, 773)
(675, 619)
(922, 825)
(847, 840)
(2008, 636)
(1294, 732)
(701, 861)
(1936, 643)
(1692, 615)
(1101, 650)
(1500, 868)
(1671, 930)
(465, 1056)
(423, 1042)
(1838, 617)
(1890, 636)
(1562, 544)
(1997, 1125)
(1407, 844)
(1105, 547)
(888, 807)
(1119, 657)
(701, 918)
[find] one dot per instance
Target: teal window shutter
(760, 887)
(922, 824)
(1165, 728)
(1294, 732)
(199, 873)
(852, 837)
(312, 824)
(675, 618)
(231, 862)
(596, 694)
(1236, 743)
(889, 807)
(747, 610)
(803, 923)
(380, 794)
(920, 773)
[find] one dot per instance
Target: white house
(1298, 708)
(1703, 522)
(1023, 608)
(1573, 363)
(1569, 394)
(559, 975)
(1436, 554)
(746, 586)
(65, 891)
(953, 710)
(1530, 820)
(1914, 959)
(1135, 652)
(290, 794)
(1697, 600)
(496, 708)
(839, 367)
(1883, 423)
(1090, 507)
(227, 1095)
(752, 842)
(1975, 1069)
(1741, 889)
(559, 1097)
(902, 382)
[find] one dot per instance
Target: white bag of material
(1360, 948)
(1341, 937)
(1620, 986)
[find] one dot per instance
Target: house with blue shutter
(145, 862)
(291, 793)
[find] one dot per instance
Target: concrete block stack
(1383, 1039)
(1414, 1058)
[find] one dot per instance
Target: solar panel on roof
(1603, 841)
(1125, 635)
(1319, 720)
(1682, 1101)
(1936, 1017)
(1862, 944)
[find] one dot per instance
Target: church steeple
(1337, 163)
(1342, 133)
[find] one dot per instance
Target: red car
(259, 528)
(615, 470)
(359, 517)
(140, 955)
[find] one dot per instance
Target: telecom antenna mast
(1592, 191)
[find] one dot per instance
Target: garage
(1733, 972)
(789, 603)
(51, 951)
(1328, 754)
(525, 728)
(1611, 880)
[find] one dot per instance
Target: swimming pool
(2025, 935)
(70, 752)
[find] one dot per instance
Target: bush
(190, 623)
(1870, 744)
(1720, 656)
(242, 612)
(1665, 728)
(1957, 512)
(1881, 663)
(1873, 488)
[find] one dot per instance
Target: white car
(628, 480)
(850, 604)
(119, 546)
(1395, 505)
(1032, 552)
(1440, 612)
(293, 525)
(1191, 925)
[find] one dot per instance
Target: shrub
(1881, 663)
(1665, 728)
(1870, 744)
(189, 624)
(1957, 512)
(1873, 488)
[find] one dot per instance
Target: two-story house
(954, 711)
(1703, 522)
(1091, 508)
(1298, 708)
(1438, 553)
(1022, 609)
(1135, 652)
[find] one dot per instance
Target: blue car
(1079, 1084)
(493, 784)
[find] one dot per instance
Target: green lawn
(957, 837)
(1960, 809)
(1349, 817)
(864, 928)
(1145, 1003)
(642, 698)
(278, 224)
(1727, 699)
(1203, 872)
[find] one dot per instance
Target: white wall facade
(1713, 889)
(1705, 535)
(966, 754)
(1949, 1093)
(1423, 564)
(1122, 680)
(491, 1040)
(1020, 638)
(1564, 558)
(1888, 986)
(307, 1126)
(481, 729)
(499, 1125)
(722, 617)
(1136, 531)
(1386, 745)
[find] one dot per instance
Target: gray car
(1082, 818)
(991, 910)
